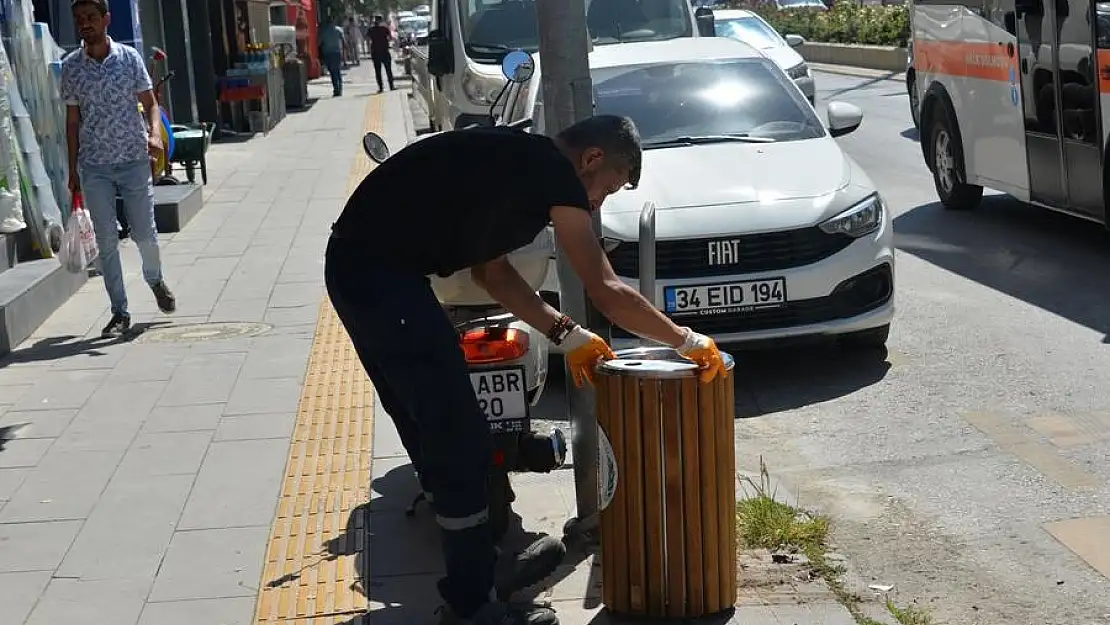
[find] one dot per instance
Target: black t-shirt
(459, 199)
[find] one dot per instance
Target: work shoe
(167, 303)
(498, 613)
(535, 564)
(117, 326)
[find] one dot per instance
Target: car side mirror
(375, 147)
(707, 23)
(844, 118)
(441, 58)
(795, 40)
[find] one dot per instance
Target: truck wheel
(500, 504)
(948, 167)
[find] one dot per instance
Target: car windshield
(751, 30)
(676, 104)
(412, 24)
(492, 27)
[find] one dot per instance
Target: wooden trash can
(667, 483)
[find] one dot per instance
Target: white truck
(458, 74)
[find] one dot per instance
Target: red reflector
(498, 458)
(486, 345)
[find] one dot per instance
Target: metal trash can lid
(655, 362)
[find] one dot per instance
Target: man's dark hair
(615, 136)
(101, 5)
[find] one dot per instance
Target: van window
(492, 27)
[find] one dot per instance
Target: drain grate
(203, 332)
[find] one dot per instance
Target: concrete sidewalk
(147, 485)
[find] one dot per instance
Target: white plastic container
(531, 261)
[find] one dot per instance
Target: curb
(860, 72)
(883, 58)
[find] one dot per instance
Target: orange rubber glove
(583, 351)
(703, 350)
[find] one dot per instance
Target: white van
(458, 72)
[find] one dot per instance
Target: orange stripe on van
(1104, 71)
(987, 61)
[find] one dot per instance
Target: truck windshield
(492, 27)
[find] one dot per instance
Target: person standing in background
(380, 37)
(353, 35)
(111, 147)
(331, 51)
(365, 25)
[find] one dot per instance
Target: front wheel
(948, 168)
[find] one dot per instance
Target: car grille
(769, 251)
(855, 296)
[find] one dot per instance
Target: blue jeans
(132, 182)
(334, 63)
(411, 353)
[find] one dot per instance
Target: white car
(765, 229)
(753, 30)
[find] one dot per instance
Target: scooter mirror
(375, 147)
(518, 66)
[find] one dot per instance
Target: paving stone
(35, 546)
(256, 426)
(239, 309)
(227, 611)
(18, 594)
(403, 600)
(212, 564)
(166, 453)
(226, 246)
(89, 601)
(266, 395)
(218, 269)
(192, 385)
(293, 295)
(65, 485)
(295, 316)
(42, 423)
(238, 485)
(10, 481)
(164, 419)
(277, 357)
(24, 452)
(393, 484)
(111, 417)
(129, 530)
(150, 361)
(403, 546)
(57, 390)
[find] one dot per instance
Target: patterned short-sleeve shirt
(112, 127)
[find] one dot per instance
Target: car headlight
(480, 89)
(801, 70)
(859, 220)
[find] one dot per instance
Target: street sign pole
(568, 98)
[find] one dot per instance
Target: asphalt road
(950, 464)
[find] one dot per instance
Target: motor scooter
(506, 359)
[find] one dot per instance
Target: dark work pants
(411, 352)
(383, 61)
(334, 63)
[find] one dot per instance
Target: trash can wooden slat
(667, 487)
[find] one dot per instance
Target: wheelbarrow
(190, 146)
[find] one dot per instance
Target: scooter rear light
(489, 345)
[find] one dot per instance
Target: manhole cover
(203, 332)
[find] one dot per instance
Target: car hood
(783, 56)
(738, 188)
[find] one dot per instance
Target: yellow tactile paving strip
(314, 567)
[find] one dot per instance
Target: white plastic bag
(79, 240)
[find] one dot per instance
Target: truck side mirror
(441, 57)
(707, 23)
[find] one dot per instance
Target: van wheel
(948, 167)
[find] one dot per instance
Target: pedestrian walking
(365, 26)
(353, 36)
(331, 52)
(409, 347)
(111, 146)
(380, 37)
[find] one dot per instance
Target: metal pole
(647, 251)
(568, 98)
